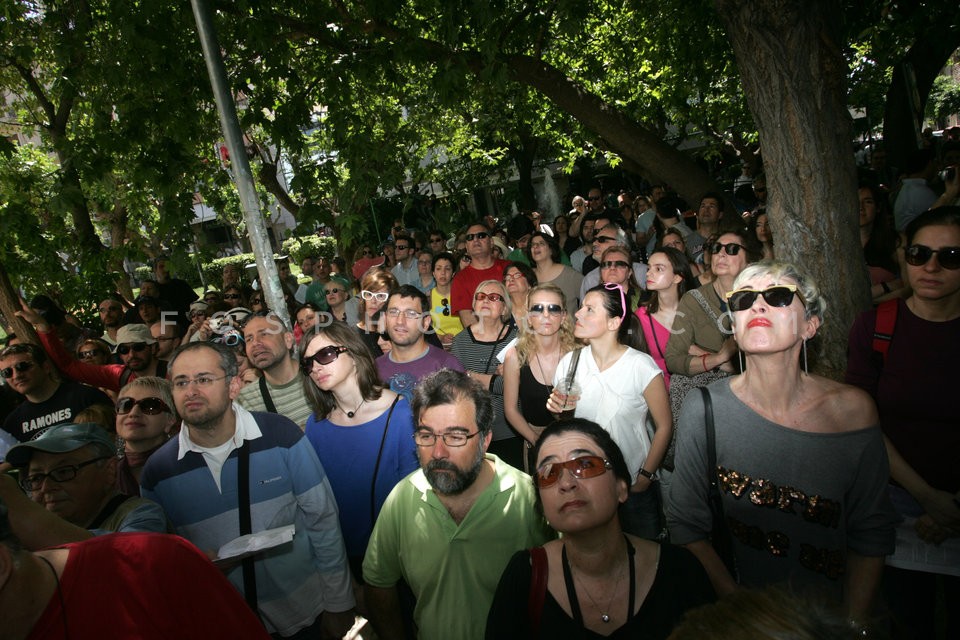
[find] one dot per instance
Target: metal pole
(230, 124)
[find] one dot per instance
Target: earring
(805, 356)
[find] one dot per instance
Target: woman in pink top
(668, 277)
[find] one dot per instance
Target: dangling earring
(805, 356)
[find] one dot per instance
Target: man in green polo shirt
(449, 528)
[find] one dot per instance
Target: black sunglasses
(780, 295)
(149, 406)
(603, 239)
(323, 356)
(614, 264)
(124, 349)
(92, 353)
(731, 248)
(540, 309)
(918, 255)
(480, 235)
(20, 367)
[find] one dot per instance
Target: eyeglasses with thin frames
(202, 382)
(59, 475)
(426, 438)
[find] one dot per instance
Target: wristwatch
(646, 474)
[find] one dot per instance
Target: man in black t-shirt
(48, 401)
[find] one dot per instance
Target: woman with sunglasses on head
(912, 377)
(375, 288)
(798, 458)
(146, 419)
(479, 349)
(619, 388)
(668, 278)
(529, 369)
(519, 278)
(362, 431)
(701, 348)
(598, 581)
(446, 323)
(544, 255)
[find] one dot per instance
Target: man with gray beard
(449, 528)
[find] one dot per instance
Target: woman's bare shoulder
(845, 407)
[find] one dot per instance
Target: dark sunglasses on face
(614, 264)
(492, 297)
(324, 356)
(149, 406)
(780, 295)
(401, 247)
(367, 252)
(332, 290)
(480, 235)
(603, 239)
(918, 255)
(92, 353)
(581, 468)
(231, 296)
(124, 349)
(20, 367)
(541, 309)
(731, 248)
(595, 198)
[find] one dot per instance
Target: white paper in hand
(255, 542)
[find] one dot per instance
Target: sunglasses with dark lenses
(401, 247)
(918, 255)
(731, 248)
(614, 264)
(124, 349)
(332, 291)
(479, 235)
(149, 406)
(20, 367)
(323, 356)
(540, 309)
(603, 239)
(87, 355)
(581, 468)
(780, 295)
(231, 296)
(446, 306)
(492, 297)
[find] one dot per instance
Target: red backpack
(883, 329)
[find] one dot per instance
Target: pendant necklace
(350, 414)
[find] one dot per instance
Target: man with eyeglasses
(407, 319)
(168, 335)
(71, 471)
(47, 400)
(449, 528)
(136, 347)
(111, 316)
(405, 270)
(270, 347)
(231, 472)
(483, 266)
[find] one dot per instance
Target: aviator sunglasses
(581, 468)
(918, 255)
(149, 406)
(780, 295)
(20, 367)
(323, 356)
(542, 309)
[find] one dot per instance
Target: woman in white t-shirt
(619, 386)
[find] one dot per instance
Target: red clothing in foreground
(146, 586)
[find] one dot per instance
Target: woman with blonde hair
(529, 369)
(146, 419)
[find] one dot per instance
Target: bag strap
(265, 393)
(376, 465)
(538, 588)
(711, 440)
(125, 376)
(723, 542)
(883, 329)
(695, 293)
(243, 489)
(574, 361)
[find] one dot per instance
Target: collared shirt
(245, 429)
(407, 275)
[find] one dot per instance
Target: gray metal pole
(230, 124)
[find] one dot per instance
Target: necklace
(569, 578)
(350, 414)
(543, 371)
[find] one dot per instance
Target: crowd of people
(586, 427)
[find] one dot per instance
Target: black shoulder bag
(720, 535)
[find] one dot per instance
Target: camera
(949, 174)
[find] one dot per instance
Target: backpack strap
(538, 588)
(883, 329)
(265, 394)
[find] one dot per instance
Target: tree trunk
(9, 305)
(620, 134)
(524, 155)
(925, 58)
(794, 78)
